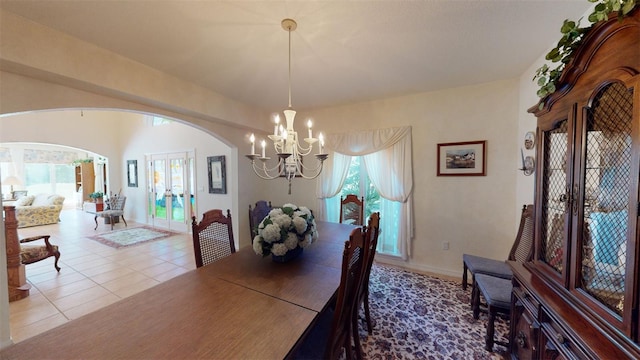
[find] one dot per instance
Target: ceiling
(342, 51)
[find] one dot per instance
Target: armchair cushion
(33, 253)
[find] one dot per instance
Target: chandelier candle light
(285, 141)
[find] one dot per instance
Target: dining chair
(256, 215)
(30, 254)
(521, 251)
(351, 210)
(331, 335)
(371, 232)
(212, 237)
(350, 279)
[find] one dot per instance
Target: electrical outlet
(445, 245)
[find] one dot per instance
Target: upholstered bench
(497, 293)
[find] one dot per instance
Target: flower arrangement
(285, 229)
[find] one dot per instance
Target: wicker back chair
(521, 251)
(351, 210)
(212, 237)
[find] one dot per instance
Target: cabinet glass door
(607, 176)
(555, 196)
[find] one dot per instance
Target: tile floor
(93, 275)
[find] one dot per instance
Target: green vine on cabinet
(572, 34)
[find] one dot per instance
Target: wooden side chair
(256, 215)
(521, 251)
(371, 232)
(333, 330)
(212, 237)
(351, 210)
(30, 254)
(114, 211)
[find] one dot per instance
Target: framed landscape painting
(462, 158)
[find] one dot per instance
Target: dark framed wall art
(132, 173)
(217, 174)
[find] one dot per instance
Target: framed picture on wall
(132, 173)
(462, 158)
(217, 175)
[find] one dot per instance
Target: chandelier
(286, 142)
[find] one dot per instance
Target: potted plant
(97, 197)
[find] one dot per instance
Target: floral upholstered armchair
(33, 253)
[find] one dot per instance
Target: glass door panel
(555, 196)
(606, 191)
(168, 191)
(177, 190)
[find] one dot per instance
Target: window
(358, 183)
(157, 121)
(50, 179)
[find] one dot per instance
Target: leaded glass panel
(555, 196)
(606, 193)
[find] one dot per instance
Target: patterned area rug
(133, 236)
(417, 316)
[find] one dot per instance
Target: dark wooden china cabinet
(579, 296)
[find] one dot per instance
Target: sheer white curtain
(331, 181)
(387, 158)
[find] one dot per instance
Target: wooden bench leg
(464, 276)
(490, 329)
(475, 302)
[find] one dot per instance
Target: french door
(170, 190)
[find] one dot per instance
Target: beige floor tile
(184, 261)
(158, 269)
(136, 288)
(69, 289)
(80, 297)
(125, 281)
(19, 333)
(170, 274)
(34, 314)
(114, 274)
(90, 306)
(100, 269)
(145, 263)
(66, 277)
(32, 301)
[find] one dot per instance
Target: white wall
(476, 215)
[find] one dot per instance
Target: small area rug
(133, 236)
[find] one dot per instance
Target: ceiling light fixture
(285, 141)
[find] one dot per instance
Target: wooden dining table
(241, 307)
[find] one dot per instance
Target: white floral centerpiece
(290, 228)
